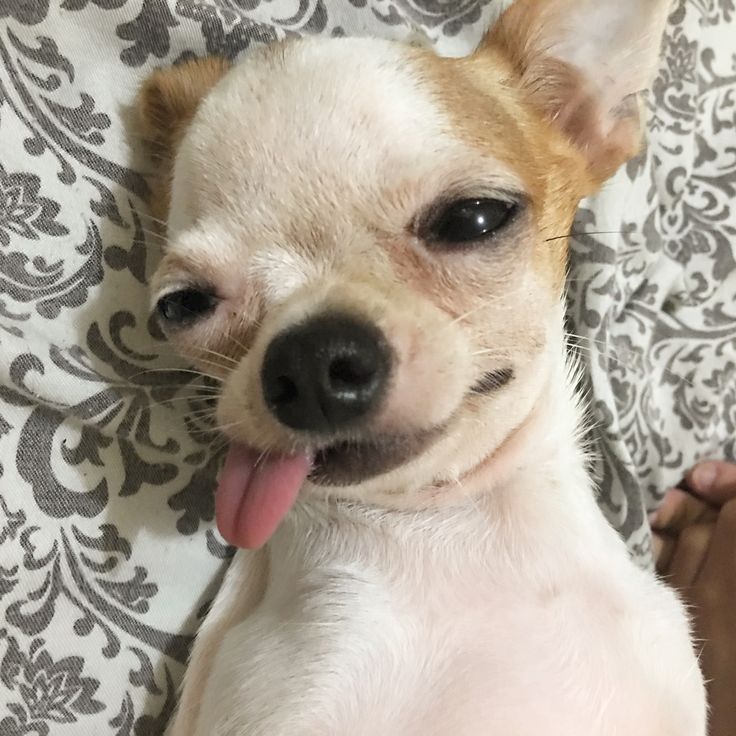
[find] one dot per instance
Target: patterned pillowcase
(107, 457)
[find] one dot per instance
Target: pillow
(108, 554)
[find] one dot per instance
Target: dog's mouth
(350, 462)
(256, 490)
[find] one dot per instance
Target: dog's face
(366, 243)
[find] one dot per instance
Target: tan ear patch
(165, 105)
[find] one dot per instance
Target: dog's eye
(183, 307)
(469, 219)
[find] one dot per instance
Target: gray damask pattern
(108, 557)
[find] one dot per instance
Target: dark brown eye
(183, 307)
(469, 219)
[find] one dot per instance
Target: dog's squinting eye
(183, 307)
(469, 219)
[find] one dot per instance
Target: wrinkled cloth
(108, 554)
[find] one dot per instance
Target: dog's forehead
(315, 93)
(314, 118)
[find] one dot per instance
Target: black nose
(325, 374)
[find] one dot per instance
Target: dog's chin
(351, 462)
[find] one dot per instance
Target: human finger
(691, 550)
(678, 510)
(713, 481)
(719, 565)
(663, 547)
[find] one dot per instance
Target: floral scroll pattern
(108, 557)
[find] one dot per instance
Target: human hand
(695, 542)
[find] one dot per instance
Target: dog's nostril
(283, 390)
(350, 373)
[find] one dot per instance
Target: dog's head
(366, 242)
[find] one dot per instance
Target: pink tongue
(255, 493)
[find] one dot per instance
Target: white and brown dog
(366, 244)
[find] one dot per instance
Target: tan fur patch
(166, 104)
(490, 113)
(539, 116)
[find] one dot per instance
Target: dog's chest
(344, 650)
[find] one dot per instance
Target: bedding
(108, 553)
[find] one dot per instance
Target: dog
(366, 246)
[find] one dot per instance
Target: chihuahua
(366, 244)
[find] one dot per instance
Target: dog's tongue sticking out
(255, 493)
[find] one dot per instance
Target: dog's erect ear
(165, 105)
(169, 98)
(581, 63)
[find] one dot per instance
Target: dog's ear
(581, 63)
(165, 106)
(168, 99)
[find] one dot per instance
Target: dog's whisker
(148, 216)
(254, 326)
(198, 434)
(187, 371)
(469, 497)
(578, 234)
(229, 359)
(127, 391)
(151, 243)
(261, 458)
(180, 403)
(223, 356)
(205, 361)
(607, 352)
(219, 443)
(214, 364)
(201, 415)
(231, 425)
(486, 303)
(490, 351)
(154, 234)
(209, 395)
